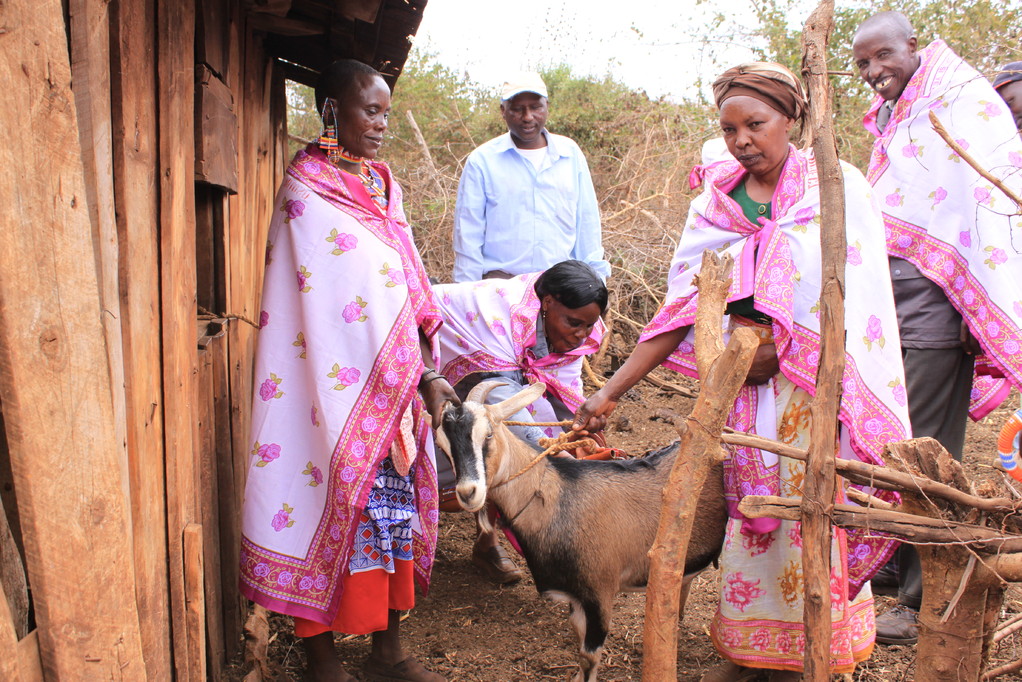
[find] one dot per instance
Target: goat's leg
(591, 621)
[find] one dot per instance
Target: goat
(585, 527)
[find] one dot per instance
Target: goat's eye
(489, 436)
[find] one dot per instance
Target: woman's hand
(436, 392)
(764, 365)
(592, 415)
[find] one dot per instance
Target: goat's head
(474, 437)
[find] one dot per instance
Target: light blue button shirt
(512, 217)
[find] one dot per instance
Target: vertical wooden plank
(211, 46)
(239, 349)
(56, 393)
(195, 606)
(175, 29)
(210, 346)
(246, 243)
(228, 495)
(136, 196)
(90, 69)
(29, 663)
(12, 579)
(260, 169)
(9, 667)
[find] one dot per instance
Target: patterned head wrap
(770, 83)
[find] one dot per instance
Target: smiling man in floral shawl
(953, 241)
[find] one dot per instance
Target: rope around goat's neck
(558, 444)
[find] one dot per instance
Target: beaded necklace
(370, 177)
(373, 183)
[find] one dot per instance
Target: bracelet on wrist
(430, 374)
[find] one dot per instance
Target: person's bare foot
(408, 670)
(327, 671)
(321, 664)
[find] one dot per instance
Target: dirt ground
(473, 631)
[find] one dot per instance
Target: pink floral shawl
(490, 326)
(778, 262)
(945, 218)
(336, 374)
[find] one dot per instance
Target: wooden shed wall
(144, 142)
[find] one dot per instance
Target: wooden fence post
(723, 372)
(820, 481)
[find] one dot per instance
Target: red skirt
(362, 609)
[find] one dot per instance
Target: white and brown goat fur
(585, 527)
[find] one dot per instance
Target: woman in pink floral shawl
(340, 513)
(764, 209)
(527, 329)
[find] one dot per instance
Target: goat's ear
(527, 395)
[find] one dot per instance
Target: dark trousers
(938, 383)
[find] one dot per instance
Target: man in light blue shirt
(526, 199)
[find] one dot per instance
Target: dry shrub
(644, 197)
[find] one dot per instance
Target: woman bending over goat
(529, 329)
(764, 209)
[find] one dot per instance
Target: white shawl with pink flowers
(950, 222)
(336, 374)
(778, 263)
(490, 326)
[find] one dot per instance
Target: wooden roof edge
(305, 41)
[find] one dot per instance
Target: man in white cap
(526, 199)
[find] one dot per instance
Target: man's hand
(970, 344)
(592, 415)
(764, 365)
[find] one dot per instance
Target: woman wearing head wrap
(764, 209)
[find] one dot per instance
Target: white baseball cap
(526, 81)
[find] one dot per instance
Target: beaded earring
(328, 140)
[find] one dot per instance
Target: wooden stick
(820, 481)
(608, 333)
(868, 500)
(1005, 669)
(597, 380)
(1008, 627)
(723, 374)
(916, 530)
(881, 477)
(433, 173)
(1008, 567)
(668, 386)
(942, 131)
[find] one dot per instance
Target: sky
(660, 46)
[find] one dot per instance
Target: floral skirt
(758, 623)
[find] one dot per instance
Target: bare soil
(468, 629)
